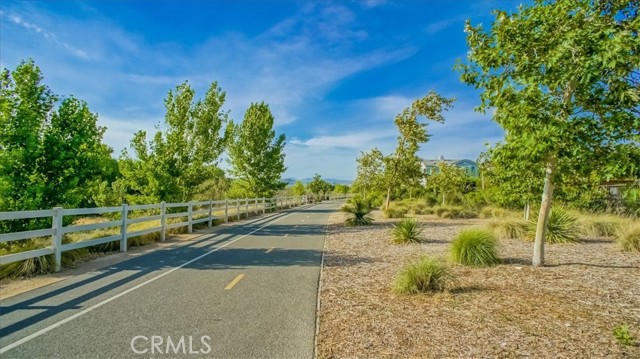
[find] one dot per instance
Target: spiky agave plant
(407, 231)
(359, 211)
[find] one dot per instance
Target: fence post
(163, 220)
(264, 205)
(210, 213)
(56, 239)
(226, 210)
(247, 206)
(238, 207)
(123, 230)
(255, 206)
(190, 216)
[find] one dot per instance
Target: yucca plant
(475, 247)
(424, 275)
(628, 238)
(407, 231)
(562, 227)
(359, 211)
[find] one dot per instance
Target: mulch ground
(567, 309)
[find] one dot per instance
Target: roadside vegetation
(565, 178)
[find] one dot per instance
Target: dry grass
(565, 310)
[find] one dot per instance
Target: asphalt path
(242, 290)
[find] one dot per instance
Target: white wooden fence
(195, 212)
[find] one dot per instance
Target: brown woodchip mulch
(567, 309)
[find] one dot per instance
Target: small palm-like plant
(475, 247)
(359, 211)
(407, 231)
(562, 227)
(424, 275)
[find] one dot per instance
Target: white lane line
(98, 305)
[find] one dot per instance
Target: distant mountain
(290, 181)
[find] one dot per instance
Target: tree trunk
(444, 199)
(543, 216)
(386, 203)
(527, 210)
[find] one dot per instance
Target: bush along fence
(169, 215)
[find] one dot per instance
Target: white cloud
(47, 35)
(354, 140)
(435, 27)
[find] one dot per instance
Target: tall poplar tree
(256, 153)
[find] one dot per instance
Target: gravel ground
(567, 309)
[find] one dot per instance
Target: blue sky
(335, 73)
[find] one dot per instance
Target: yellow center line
(234, 282)
(269, 250)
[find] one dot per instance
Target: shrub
(475, 247)
(628, 238)
(494, 212)
(428, 210)
(424, 275)
(440, 210)
(452, 212)
(599, 226)
(508, 228)
(359, 211)
(407, 231)
(395, 212)
(431, 200)
(562, 227)
(621, 332)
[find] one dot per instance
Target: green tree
(370, 172)
(341, 189)
(317, 186)
(403, 167)
(447, 182)
(74, 159)
(25, 105)
(563, 79)
(180, 159)
(298, 189)
(256, 154)
(49, 156)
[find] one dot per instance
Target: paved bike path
(249, 287)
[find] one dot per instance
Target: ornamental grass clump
(599, 226)
(628, 238)
(508, 228)
(562, 227)
(359, 211)
(475, 247)
(423, 276)
(407, 231)
(395, 212)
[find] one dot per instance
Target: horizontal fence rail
(186, 215)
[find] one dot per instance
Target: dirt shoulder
(567, 309)
(13, 287)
